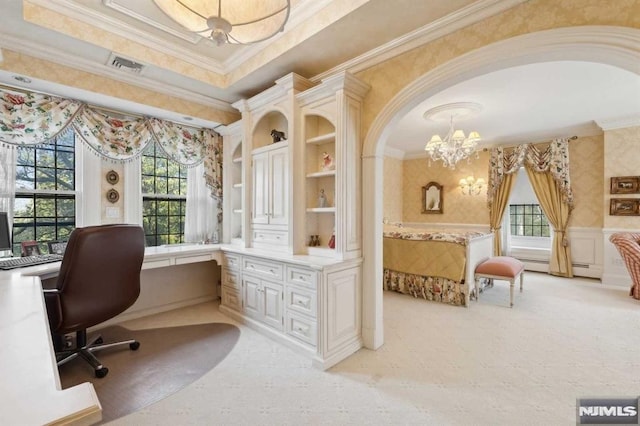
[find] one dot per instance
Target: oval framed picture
(113, 177)
(113, 196)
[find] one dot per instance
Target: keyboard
(23, 262)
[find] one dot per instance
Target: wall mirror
(432, 198)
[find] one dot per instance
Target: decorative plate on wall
(112, 177)
(113, 196)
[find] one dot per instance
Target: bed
(436, 265)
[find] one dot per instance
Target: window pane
(45, 216)
(163, 218)
(25, 177)
(528, 220)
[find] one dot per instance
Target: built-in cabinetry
(283, 297)
(300, 178)
(233, 185)
(270, 199)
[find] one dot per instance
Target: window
(45, 199)
(528, 220)
(164, 198)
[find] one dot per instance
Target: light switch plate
(113, 212)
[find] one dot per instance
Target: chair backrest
(99, 277)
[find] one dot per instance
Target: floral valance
(28, 118)
(33, 118)
(553, 158)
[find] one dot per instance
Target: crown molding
(619, 122)
(62, 58)
(91, 17)
(450, 23)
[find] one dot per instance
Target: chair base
(85, 350)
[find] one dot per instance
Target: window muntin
(164, 189)
(528, 220)
(45, 199)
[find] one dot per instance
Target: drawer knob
(271, 270)
(302, 278)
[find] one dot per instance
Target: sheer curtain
(200, 223)
(7, 182)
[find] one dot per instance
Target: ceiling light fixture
(229, 21)
(455, 146)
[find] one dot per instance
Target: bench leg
(511, 285)
(521, 278)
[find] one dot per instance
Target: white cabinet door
(260, 211)
(272, 304)
(270, 187)
(279, 193)
(252, 300)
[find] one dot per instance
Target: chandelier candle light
(455, 146)
(229, 21)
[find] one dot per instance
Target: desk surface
(30, 391)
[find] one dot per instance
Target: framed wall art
(625, 185)
(624, 207)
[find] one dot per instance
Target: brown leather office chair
(99, 278)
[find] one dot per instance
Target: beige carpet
(168, 360)
(440, 365)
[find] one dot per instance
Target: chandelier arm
(193, 11)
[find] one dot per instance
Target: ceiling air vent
(125, 64)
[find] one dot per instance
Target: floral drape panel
(34, 118)
(554, 161)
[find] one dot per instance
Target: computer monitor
(5, 235)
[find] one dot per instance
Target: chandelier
(455, 146)
(229, 21)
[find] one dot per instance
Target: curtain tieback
(565, 241)
(496, 229)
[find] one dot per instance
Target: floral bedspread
(452, 236)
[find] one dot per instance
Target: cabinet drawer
(301, 300)
(263, 268)
(301, 276)
(232, 261)
(231, 298)
(231, 279)
(278, 238)
(303, 329)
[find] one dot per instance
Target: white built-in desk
(30, 391)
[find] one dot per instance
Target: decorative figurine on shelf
(327, 162)
(277, 135)
(312, 240)
(322, 199)
(332, 240)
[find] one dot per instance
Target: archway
(616, 46)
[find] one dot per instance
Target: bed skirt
(437, 289)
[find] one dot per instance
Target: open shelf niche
(236, 194)
(320, 146)
(273, 120)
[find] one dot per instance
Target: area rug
(168, 360)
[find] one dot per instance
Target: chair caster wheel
(134, 346)
(101, 372)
